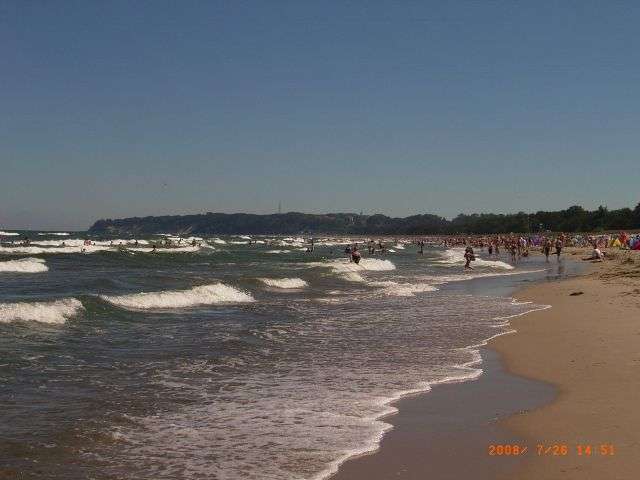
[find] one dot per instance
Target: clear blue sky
(112, 109)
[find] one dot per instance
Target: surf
(217, 293)
(54, 312)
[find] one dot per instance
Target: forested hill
(573, 219)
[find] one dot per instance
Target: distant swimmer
(347, 252)
(355, 255)
(154, 248)
(469, 256)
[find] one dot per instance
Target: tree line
(573, 219)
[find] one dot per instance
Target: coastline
(560, 404)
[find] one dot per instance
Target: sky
(115, 109)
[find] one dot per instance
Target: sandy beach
(586, 345)
(584, 348)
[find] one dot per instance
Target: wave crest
(55, 312)
(24, 265)
(203, 295)
(284, 282)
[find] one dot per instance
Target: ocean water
(227, 360)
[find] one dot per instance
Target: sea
(232, 357)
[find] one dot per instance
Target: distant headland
(573, 219)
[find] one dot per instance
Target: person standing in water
(469, 256)
(546, 248)
(558, 247)
(355, 255)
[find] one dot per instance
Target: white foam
(187, 249)
(58, 234)
(55, 312)
(68, 242)
(350, 271)
(284, 282)
(26, 250)
(8, 234)
(403, 289)
(455, 256)
(470, 275)
(277, 251)
(203, 295)
(219, 241)
(24, 265)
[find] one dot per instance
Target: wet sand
(445, 434)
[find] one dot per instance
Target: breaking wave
(439, 279)
(284, 282)
(351, 271)
(403, 289)
(455, 256)
(55, 312)
(203, 295)
(24, 265)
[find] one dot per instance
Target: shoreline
(486, 373)
(396, 456)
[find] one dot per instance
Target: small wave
(203, 295)
(284, 282)
(470, 275)
(277, 251)
(57, 234)
(55, 312)
(350, 271)
(219, 241)
(403, 289)
(51, 250)
(455, 256)
(187, 249)
(8, 234)
(24, 265)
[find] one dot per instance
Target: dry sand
(588, 346)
